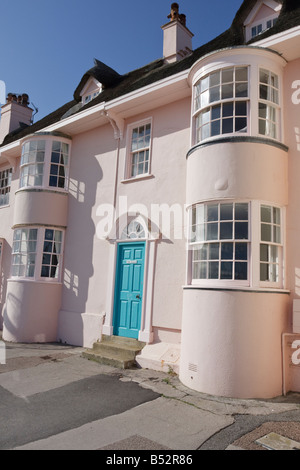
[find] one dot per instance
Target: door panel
(129, 289)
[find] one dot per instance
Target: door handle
(138, 297)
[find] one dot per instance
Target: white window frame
(46, 163)
(197, 111)
(39, 252)
(7, 187)
(219, 282)
(254, 243)
(269, 103)
(273, 243)
(129, 153)
(264, 24)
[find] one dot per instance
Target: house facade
(163, 205)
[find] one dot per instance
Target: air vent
(193, 367)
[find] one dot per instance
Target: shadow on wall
(5, 271)
(86, 173)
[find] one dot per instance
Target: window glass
(140, 150)
(59, 164)
(51, 256)
(219, 237)
(32, 163)
(24, 252)
(5, 182)
(269, 98)
(271, 243)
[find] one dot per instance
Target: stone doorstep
(274, 441)
(115, 351)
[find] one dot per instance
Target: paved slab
(171, 423)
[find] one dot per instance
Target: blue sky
(47, 46)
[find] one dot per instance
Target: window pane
(215, 128)
(241, 74)
(212, 212)
(264, 252)
(212, 232)
(214, 94)
(226, 212)
(241, 90)
(226, 270)
(213, 270)
(227, 251)
(216, 112)
(240, 125)
(214, 79)
(227, 75)
(227, 109)
(227, 91)
(266, 212)
(227, 126)
(241, 251)
(264, 272)
(214, 251)
(200, 253)
(241, 271)
(266, 233)
(226, 231)
(241, 108)
(241, 230)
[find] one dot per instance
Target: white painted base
(79, 329)
(160, 356)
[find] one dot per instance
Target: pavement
(164, 416)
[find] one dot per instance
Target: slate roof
(116, 85)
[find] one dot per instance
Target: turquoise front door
(129, 289)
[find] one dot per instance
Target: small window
(59, 164)
(139, 155)
(271, 244)
(268, 104)
(5, 183)
(52, 250)
(24, 252)
(133, 230)
(32, 163)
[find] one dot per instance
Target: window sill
(39, 189)
(237, 289)
(35, 281)
(137, 178)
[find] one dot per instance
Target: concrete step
(115, 351)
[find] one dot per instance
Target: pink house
(163, 206)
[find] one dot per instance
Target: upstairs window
(32, 163)
(221, 103)
(45, 163)
(139, 151)
(59, 164)
(268, 104)
(5, 182)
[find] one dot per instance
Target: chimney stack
(177, 37)
(14, 114)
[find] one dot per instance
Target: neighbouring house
(164, 205)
